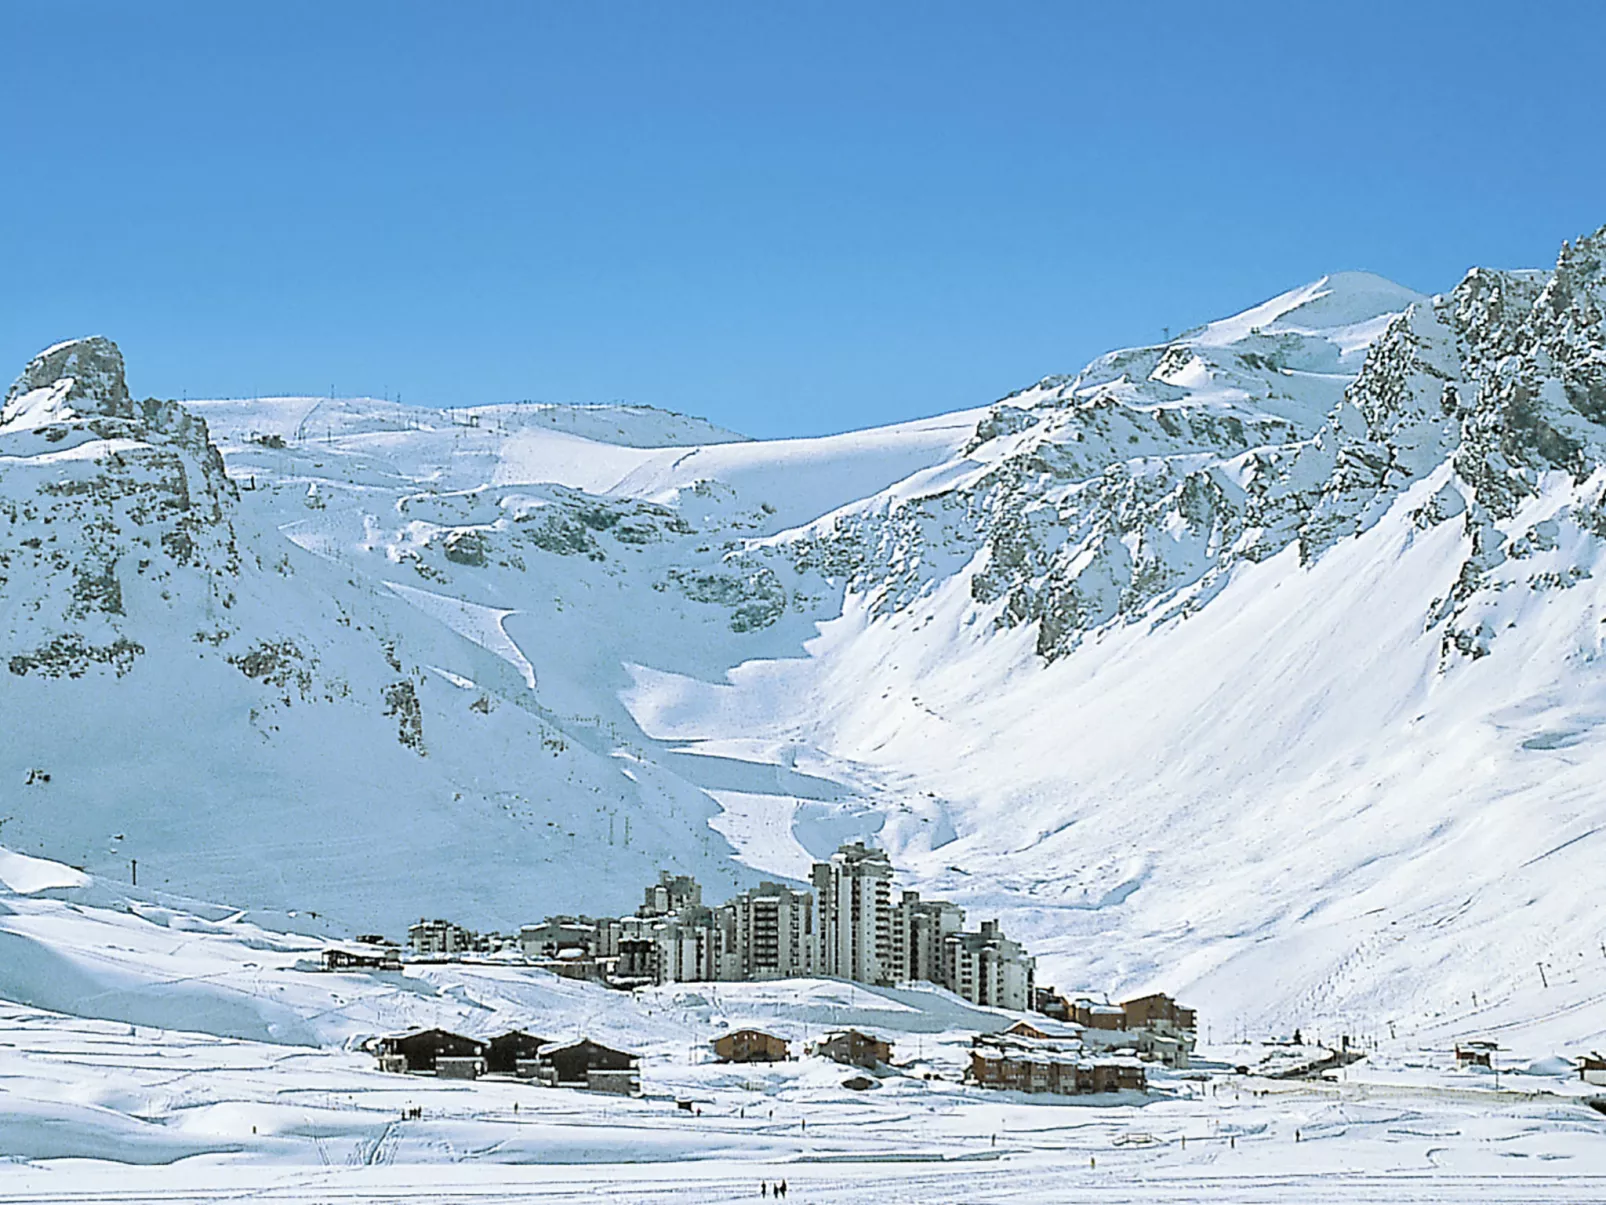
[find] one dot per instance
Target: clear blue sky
(789, 218)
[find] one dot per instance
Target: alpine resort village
(847, 928)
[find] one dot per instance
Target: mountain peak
(78, 377)
(1338, 302)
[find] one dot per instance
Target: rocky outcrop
(112, 507)
(81, 377)
(1129, 491)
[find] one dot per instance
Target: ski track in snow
(760, 828)
(481, 624)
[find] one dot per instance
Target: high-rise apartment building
(987, 968)
(671, 895)
(767, 932)
(853, 901)
(919, 928)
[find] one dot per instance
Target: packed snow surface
(26, 875)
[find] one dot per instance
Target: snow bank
(27, 875)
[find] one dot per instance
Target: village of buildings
(846, 926)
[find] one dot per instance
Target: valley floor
(164, 1056)
(105, 1111)
(885, 1184)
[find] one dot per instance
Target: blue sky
(788, 218)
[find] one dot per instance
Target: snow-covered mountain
(1262, 664)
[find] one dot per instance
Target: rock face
(1497, 387)
(1131, 490)
(107, 501)
(1137, 483)
(83, 374)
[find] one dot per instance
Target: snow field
(185, 1116)
(208, 1113)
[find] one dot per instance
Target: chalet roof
(361, 955)
(748, 1029)
(440, 1035)
(552, 1048)
(1050, 1059)
(1027, 1045)
(1160, 996)
(1046, 1026)
(854, 1033)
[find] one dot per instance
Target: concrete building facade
(767, 932)
(987, 968)
(853, 898)
(439, 937)
(919, 928)
(671, 895)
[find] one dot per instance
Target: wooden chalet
(1158, 1011)
(1092, 1015)
(514, 1053)
(1475, 1054)
(854, 1048)
(591, 1065)
(750, 1046)
(1050, 1003)
(1592, 1069)
(433, 1050)
(364, 958)
(1066, 1075)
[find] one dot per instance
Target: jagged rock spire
(94, 368)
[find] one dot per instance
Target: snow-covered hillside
(1261, 665)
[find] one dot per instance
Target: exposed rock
(81, 377)
(467, 548)
(1116, 499)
